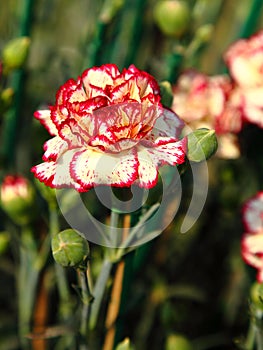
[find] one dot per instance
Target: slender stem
(115, 301)
(27, 283)
(99, 291)
(63, 289)
(87, 298)
(135, 231)
(250, 340)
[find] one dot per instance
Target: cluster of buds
(225, 102)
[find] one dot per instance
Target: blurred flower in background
(209, 102)
(252, 241)
(245, 62)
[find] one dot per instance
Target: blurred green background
(195, 284)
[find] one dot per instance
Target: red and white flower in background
(210, 102)
(244, 59)
(18, 198)
(252, 241)
(108, 128)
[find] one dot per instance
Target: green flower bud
(6, 97)
(202, 144)
(109, 10)
(256, 294)
(166, 93)
(124, 345)
(172, 17)
(69, 248)
(18, 199)
(177, 341)
(204, 33)
(15, 53)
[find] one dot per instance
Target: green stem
(62, 284)
(87, 299)
(251, 19)
(98, 292)
(27, 283)
(12, 117)
(250, 340)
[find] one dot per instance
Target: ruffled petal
(90, 168)
(54, 148)
(171, 153)
(168, 124)
(62, 177)
(44, 116)
(147, 171)
(100, 76)
(45, 172)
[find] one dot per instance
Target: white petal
(90, 168)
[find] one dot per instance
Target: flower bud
(172, 17)
(177, 341)
(109, 9)
(69, 248)
(124, 345)
(18, 199)
(166, 93)
(15, 53)
(6, 97)
(202, 144)
(256, 294)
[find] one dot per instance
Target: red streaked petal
(44, 116)
(100, 76)
(62, 176)
(53, 148)
(147, 171)
(170, 153)
(45, 172)
(90, 168)
(73, 134)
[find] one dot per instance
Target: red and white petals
(44, 116)
(210, 102)
(147, 170)
(252, 252)
(54, 148)
(244, 59)
(253, 214)
(252, 241)
(105, 126)
(91, 168)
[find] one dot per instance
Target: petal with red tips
(170, 153)
(53, 148)
(44, 116)
(147, 171)
(45, 172)
(90, 168)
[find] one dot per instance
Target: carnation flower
(245, 62)
(109, 128)
(252, 252)
(253, 214)
(210, 102)
(252, 241)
